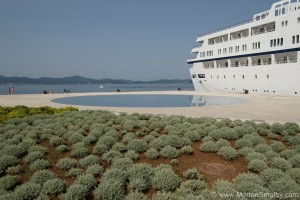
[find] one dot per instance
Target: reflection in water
(149, 100)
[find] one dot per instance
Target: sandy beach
(259, 108)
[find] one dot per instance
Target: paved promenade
(258, 107)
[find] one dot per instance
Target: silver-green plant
(165, 179)
(40, 164)
(110, 189)
(192, 174)
(132, 155)
(54, 186)
(89, 160)
(7, 182)
(209, 146)
(228, 153)
(257, 165)
(75, 191)
(66, 163)
(152, 153)
(27, 191)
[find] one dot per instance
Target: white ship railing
(227, 27)
(285, 61)
(242, 36)
(261, 32)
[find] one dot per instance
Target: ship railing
(222, 66)
(261, 63)
(285, 61)
(239, 65)
(262, 32)
(227, 27)
(191, 58)
(242, 36)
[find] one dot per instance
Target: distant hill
(81, 80)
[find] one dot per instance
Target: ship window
(224, 77)
(274, 42)
(233, 76)
(211, 77)
(286, 23)
(297, 38)
(298, 20)
(271, 43)
(201, 75)
(282, 23)
(294, 39)
(281, 41)
(218, 77)
(259, 45)
(268, 76)
(243, 76)
(194, 75)
(255, 76)
(278, 41)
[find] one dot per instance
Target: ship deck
(259, 108)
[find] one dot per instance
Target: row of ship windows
(255, 45)
(243, 76)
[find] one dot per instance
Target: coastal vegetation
(100, 155)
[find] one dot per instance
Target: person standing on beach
(13, 90)
(9, 90)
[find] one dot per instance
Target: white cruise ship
(260, 56)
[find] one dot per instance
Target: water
(38, 89)
(153, 100)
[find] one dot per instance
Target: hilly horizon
(82, 80)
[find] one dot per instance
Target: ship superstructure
(261, 55)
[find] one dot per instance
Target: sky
(120, 39)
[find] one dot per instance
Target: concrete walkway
(258, 107)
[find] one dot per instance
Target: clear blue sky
(124, 39)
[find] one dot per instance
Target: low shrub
(277, 128)
(95, 170)
(119, 147)
(88, 161)
(33, 156)
(7, 161)
(122, 163)
(157, 143)
(99, 149)
(281, 163)
(42, 176)
(62, 148)
(262, 148)
(54, 186)
(109, 189)
(192, 173)
(295, 174)
(272, 174)
(56, 141)
(136, 196)
(295, 160)
(288, 153)
(132, 155)
(256, 155)
(224, 187)
(209, 146)
(207, 138)
(271, 154)
(250, 177)
(27, 191)
(245, 151)
(8, 182)
(164, 196)
(75, 191)
(176, 142)
(169, 152)
(149, 138)
(272, 136)
(277, 146)
(79, 152)
(137, 145)
(14, 170)
(257, 165)
(139, 176)
(115, 174)
(191, 187)
(152, 153)
(87, 180)
(66, 163)
(222, 143)
(228, 153)
(14, 150)
(165, 179)
(76, 137)
(38, 148)
(193, 136)
(285, 186)
(111, 155)
(39, 165)
(188, 150)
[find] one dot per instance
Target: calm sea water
(153, 100)
(38, 89)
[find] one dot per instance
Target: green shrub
(87, 180)
(169, 152)
(116, 174)
(132, 155)
(99, 149)
(62, 148)
(257, 165)
(188, 150)
(8, 182)
(14, 170)
(38, 148)
(192, 187)
(75, 191)
(284, 186)
(39, 165)
(152, 153)
(228, 153)
(229, 134)
(224, 187)
(288, 153)
(33, 156)
(88, 161)
(14, 150)
(119, 147)
(95, 170)
(111, 155)
(295, 174)
(256, 155)
(122, 163)
(272, 136)
(271, 154)
(262, 148)
(209, 146)
(136, 196)
(281, 163)
(79, 152)
(56, 141)
(222, 143)
(165, 179)
(245, 151)
(137, 145)
(76, 137)
(164, 196)
(27, 191)
(193, 136)
(277, 146)
(74, 172)
(109, 189)
(7, 161)
(277, 128)
(207, 138)
(140, 176)
(54, 186)
(241, 143)
(192, 173)
(175, 141)
(66, 163)
(42, 176)
(295, 161)
(272, 174)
